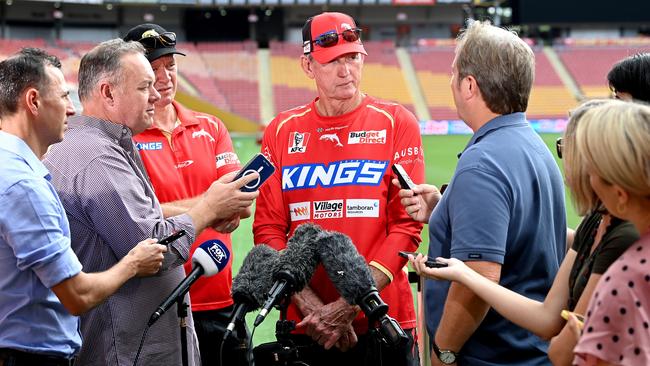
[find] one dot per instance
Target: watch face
(447, 357)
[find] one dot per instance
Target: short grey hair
(104, 62)
(502, 64)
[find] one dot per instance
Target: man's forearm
(176, 208)
(381, 280)
(464, 311)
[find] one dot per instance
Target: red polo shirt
(183, 166)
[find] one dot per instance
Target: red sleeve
(225, 156)
(271, 217)
(403, 232)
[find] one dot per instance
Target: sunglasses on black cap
(152, 40)
(331, 38)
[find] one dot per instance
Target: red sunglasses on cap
(331, 38)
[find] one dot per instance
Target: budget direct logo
(336, 173)
(331, 209)
(367, 137)
(226, 158)
(361, 208)
(300, 211)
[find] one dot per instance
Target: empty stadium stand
(589, 65)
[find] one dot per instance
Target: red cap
(326, 23)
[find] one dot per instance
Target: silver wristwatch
(445, 356)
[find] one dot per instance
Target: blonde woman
(614, 141)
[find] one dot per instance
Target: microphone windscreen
(301, 256)
(255, 277)
(212, 255)
(345, 267)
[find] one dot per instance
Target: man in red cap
(333, 158)
(184, 152)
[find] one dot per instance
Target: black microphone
(351, 277)
(208, 259)
(252, 283)
(294, 267)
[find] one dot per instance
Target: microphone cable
(144, 335)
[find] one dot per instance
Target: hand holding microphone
(208, 259)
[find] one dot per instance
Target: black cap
(160, 49)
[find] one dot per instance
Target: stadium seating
(432, 65)
(226, 74)
(549, 98)
(589, 65)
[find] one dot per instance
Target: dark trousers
(369, 351)
(210, 327)
(11, 357)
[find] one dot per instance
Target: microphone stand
(182, 318)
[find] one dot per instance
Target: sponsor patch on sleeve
(226, 158)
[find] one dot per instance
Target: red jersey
(199, 152)
(336, 172)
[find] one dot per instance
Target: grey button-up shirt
(111, 207)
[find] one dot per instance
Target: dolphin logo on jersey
(336, 173)
(203, 133)
(331, 137)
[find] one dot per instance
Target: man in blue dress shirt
(41, 282)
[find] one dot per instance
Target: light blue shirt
(35, 255)
(504, 204)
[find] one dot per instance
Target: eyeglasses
(331, 38)
(150, 40)
(559, 146)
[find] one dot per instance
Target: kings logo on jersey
(298, 142)
(336, 173)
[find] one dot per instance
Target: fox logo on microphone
(212, 255)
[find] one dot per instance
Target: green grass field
(440, 156)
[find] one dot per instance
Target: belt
(12, 357)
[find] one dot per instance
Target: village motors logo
(367, 137)
(328, 209)
(298, 142)
(300, 211)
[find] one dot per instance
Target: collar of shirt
(16, 145)
(513, 119)
(118, 133)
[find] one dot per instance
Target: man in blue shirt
(503, 212)
(41, 281)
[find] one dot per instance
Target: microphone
(208, 259)
(251, 284)
(294, 267)
(351, 277)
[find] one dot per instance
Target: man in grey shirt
(111, 204)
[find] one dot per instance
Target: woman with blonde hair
(614, 140)
(599, 240)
